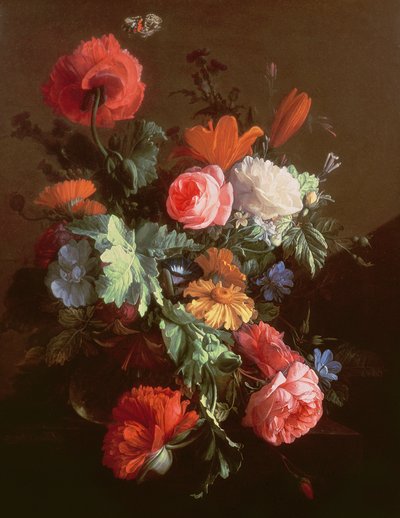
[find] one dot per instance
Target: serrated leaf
(307, 245)
(283, 224)
(161, 243)
(329, 228)
(140, 145)
(358, 362)
(95, 227)
(267, 311)
(128, 275)
(219, 451)
(308, 182)
(34, 356)
(63, 347)
(338, 395)
(195, 348)
(75, 317)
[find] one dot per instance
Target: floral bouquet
(171, 293)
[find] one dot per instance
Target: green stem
(95, 136)
(214, 389)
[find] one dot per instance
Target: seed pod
(17, 202)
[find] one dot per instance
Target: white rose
(264, 189)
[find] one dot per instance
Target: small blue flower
(326, 367)
(276, 282)
(69, 279)
(182, 270)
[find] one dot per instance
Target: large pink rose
(199, 198)
(263, 345)
(287, 407)
(98, 63)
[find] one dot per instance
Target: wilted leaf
(63, 347)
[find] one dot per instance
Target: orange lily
(289, 117)
(220, 146)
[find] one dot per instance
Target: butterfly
(145, 27)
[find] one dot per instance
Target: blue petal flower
(326, 367)
(68, 277)
(276, 282)
(182, 270)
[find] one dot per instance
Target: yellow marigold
(216, 264)
(71, 196)
(219, 305)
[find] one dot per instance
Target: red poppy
(49, 243)
(98, 63)
(289, 117)
(145, 420)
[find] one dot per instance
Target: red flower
(289, 117)
(49, 243)
(263, 345)
(98, 63)
(109, 313)
(146, 419)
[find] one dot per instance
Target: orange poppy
(70, 196)
(220, 146)
(289, 117)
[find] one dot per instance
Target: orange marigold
(218, 305)
(71, 196)
(217, 265)
(220, 146)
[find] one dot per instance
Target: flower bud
(306, 488)
(364, 242)
(158, 464)
(228, 361)
(311, 198)
(127, 173)
(276, 240)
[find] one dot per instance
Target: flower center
(221, 295)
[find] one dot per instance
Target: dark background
(345, 54)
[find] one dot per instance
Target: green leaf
(267, 311)
(139, 144)
(329, 228)
(338, 395)
(161, 243)
(308, 246)
(219, 451)
(253, 267)
(75, 317)
(358, 362)
(308, 182)
(63, 347)
(128, 275)
(95, 227)
(283, 224)
(197, 350)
